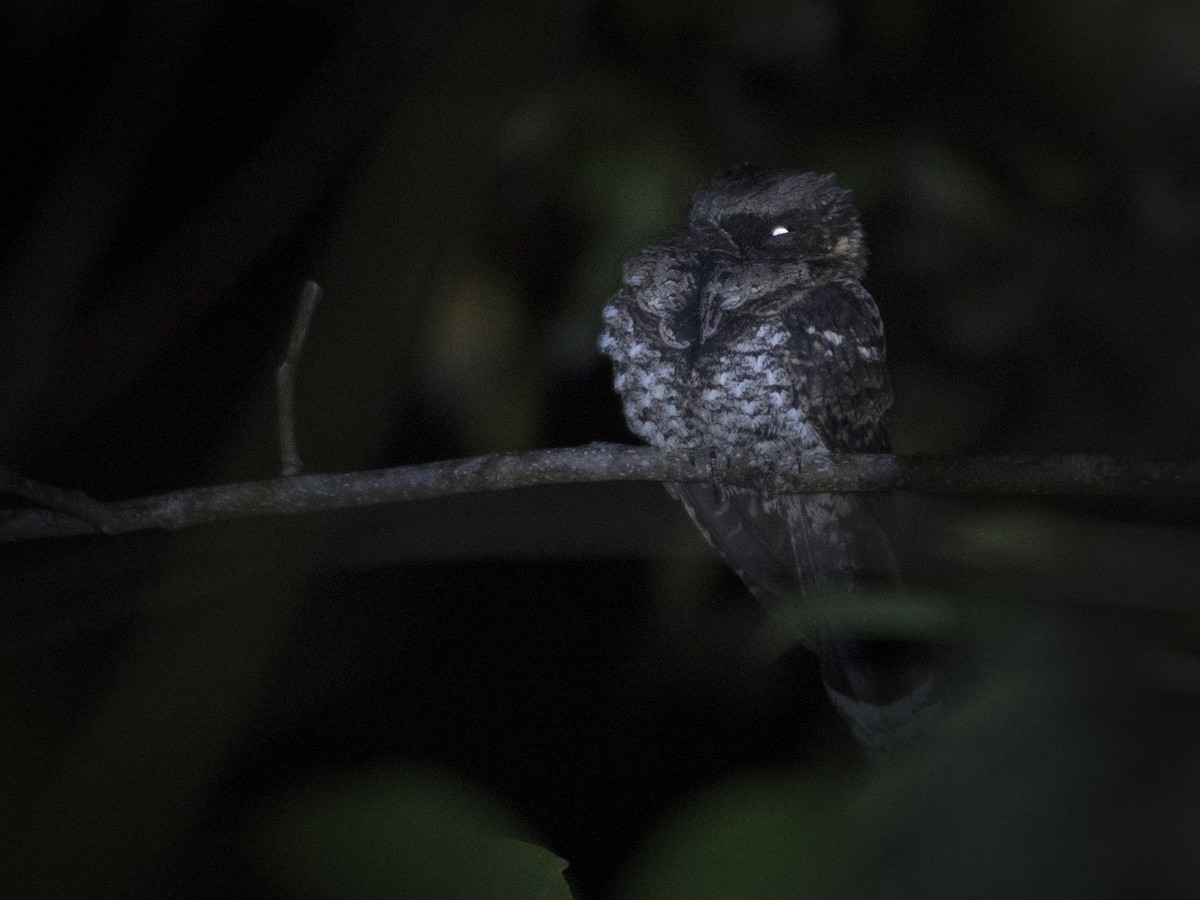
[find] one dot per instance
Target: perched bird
(750, 329)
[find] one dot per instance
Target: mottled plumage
(750, 328)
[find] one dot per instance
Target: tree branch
(992, 475)
(75, 506)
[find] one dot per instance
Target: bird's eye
(781, 236)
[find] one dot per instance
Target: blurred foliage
(755, 836)
(402, 833)
(1068, 770)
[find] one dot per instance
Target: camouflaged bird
(750, 329)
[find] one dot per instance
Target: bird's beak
(710, 310)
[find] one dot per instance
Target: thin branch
(75, 506)
(285, 380)
(993, 475)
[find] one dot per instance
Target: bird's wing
(838, 366)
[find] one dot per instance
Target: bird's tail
(888, 691)
(794, 549)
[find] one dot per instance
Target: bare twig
(994, 475)
(74, 505)
(285, 380)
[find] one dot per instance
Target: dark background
(464, 181)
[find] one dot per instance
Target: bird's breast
(735, 392)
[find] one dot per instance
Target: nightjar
(750, 328)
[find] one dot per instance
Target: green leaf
(403, 833)
(757, 838)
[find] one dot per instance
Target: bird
(750, 329)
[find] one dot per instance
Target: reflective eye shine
(778, 230)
